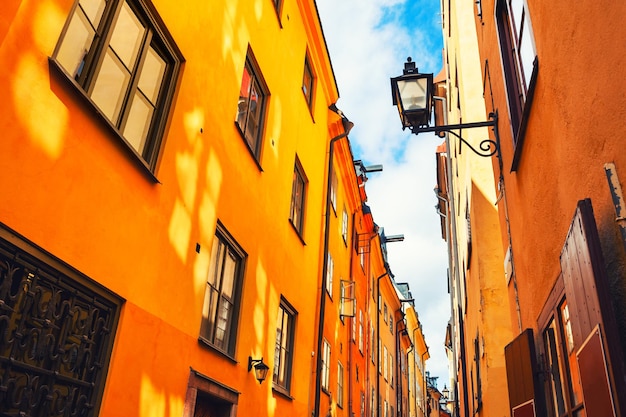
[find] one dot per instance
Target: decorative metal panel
(56, 337)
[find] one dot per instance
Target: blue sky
(369, 42)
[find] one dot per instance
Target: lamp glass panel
(413, 93)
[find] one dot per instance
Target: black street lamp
(412, 93)
(260, 368)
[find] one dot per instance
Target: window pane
(574, 377)
(517, 11)
(255, 105)
(138, 122)
(297, 199)
(228, 279)
(307, 82)
(76, 44)
(554, 362)
(244, 98)
(127, 36)
(93, 9)
(278, 346)
(527, 57)
(110, 87)
(209, 311)
(216, 262)
(152, 75)
(223, 324)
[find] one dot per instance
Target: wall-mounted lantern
(260, 368)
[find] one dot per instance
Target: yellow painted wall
(480, 301)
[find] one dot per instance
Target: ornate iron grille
(56, 336)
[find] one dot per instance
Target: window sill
(254, 156)
(295, 229)
(65, 79)
(309, 105)
(281, 391)
(205, 343)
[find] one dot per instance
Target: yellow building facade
(481, 321)
(416, 364)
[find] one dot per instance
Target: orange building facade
(182, 210)
(557, 182)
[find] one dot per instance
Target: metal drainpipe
(425, 382)
(399, 407)
(408, 378)
(347, 125)
(414, 369)
(378, 342)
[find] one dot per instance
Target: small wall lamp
(412, 93)
(260, 368)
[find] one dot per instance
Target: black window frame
(308, 82)
(298, 198)
(83, 78)
(284, 347)
(253, 138)
(223, 245)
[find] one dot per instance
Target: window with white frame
(119, 54)
(339, 385)
(361, 330)
(344, 226)
(329, 275)
(348, 300)
(385, 365)
(326, 365)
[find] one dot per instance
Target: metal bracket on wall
(618, 198)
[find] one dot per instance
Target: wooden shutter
(521, 373)
(594, 329)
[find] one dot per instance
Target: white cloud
(368, 44)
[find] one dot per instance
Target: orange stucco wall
(72, 188)
(573, 130)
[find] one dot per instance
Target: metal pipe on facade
(347, 126)
(378, 342)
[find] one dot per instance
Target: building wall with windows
(416, 365)
(386, 313)
(559, 200)
(165, 174)
(467, 192)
